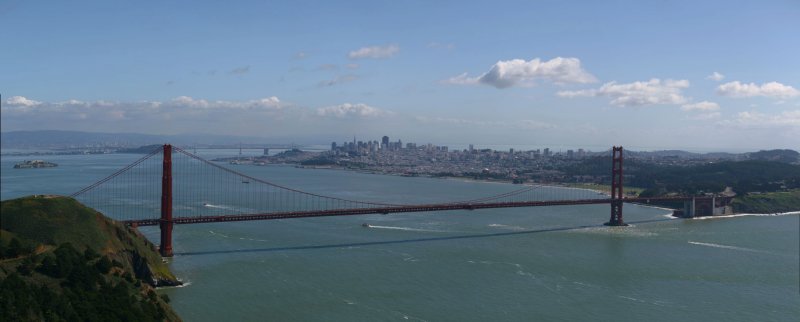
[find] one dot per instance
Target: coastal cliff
(55, 247)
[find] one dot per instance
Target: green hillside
(60, 260)
(771, 202)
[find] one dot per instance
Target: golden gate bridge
(135, 196)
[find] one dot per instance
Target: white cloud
(652, 92)
(771, 90)
(132, 108)
(715, 76)
(701, 106)
(186, 101)
(760, 120)
(518, 72)
(268, 103)
(348, 110)
(21, 101)
(351, 66)
(374, 52)
(182, 113)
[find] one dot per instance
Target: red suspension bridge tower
(616, 188)
(166, 203)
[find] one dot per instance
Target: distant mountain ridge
(780, 155)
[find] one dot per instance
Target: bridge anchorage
(207, 192)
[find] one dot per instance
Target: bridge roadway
(397, 209)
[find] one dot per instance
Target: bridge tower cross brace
(166, 203)
(616, 188)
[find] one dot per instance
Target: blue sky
(697, 75)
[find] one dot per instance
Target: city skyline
(711, 76)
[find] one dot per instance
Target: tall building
(385, 142)
(333, 146)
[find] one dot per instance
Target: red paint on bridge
(391, 210)
(332, 206)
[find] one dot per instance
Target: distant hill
(141, 150)
(680, 154)
(785, 156)
(742, 176)
(65, 261)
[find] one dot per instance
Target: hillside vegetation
(772, 202)
(60, 260)
(742, 176)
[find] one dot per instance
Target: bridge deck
(389, 210)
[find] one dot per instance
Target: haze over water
(546, 263)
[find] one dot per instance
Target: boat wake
(501, 226)
(405, 228)
(240, 238)
(208, 205)
(726, 247)
(749, 215)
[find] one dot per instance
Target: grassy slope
(768, 202)
(57, 220)
(43, 223)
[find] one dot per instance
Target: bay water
(520, 264)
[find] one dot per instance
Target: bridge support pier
(690, 208)
(166, 204)
(616, 188)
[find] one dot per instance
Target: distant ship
(365, 225)
(29, 164)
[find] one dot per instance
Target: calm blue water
(505, 264)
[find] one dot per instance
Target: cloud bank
(348, 110)
(770, 90)
(701, 106)
(518, 72)
(751, 119)
(652, 92)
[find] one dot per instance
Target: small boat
(365, 225)
(245, 181)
